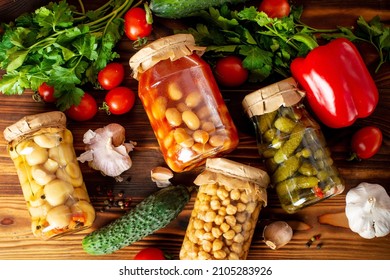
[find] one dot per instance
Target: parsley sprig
(61, 46)
(268, 45)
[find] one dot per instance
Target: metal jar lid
(33, 123)
(270, 98)
(170, 47)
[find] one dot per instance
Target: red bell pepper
(338, 85)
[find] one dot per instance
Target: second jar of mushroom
(182, 100)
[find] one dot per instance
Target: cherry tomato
(111, 76)
(120, 100)
(230, 72)
(136, 25)
(150, 253)
(366, 142)
(275, 8)
(86, 110)
(46, 92)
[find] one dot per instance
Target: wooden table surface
(326, 218)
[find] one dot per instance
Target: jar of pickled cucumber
(227, 206)
(41, 148)
(292, 146)
(183, 103)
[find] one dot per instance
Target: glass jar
(292, 146)
(41, 148)
(183, 103)
(226, 211)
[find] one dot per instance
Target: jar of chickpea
(182, 100)
(226, 211)
(41, 148)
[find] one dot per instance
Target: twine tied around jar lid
(170, 47)
(270, 98)
(235, 175)
(33, 123)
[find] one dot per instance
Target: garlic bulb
(368, 210)
(277, 234)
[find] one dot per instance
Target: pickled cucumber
(286, 169)
(289, 147)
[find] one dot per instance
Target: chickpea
(215, 204)
(216, 232)
(208, 226)
(224, 227)
(222, 211)
(231, 209)
(202, 255)
(207, 246)
(229, 234)
(210, 216)
(219, 220)
(231, 220)
(217, 245)
(235, 194)
(244, 197)
(246, 226)
(198, 224)
(236, 247)
(226, 202)
(193, 99)
(191, 120)
(192, 237)
(219, 255)
(237, 228)
(233, 256)
(173, 117)
(241, 207)
(251, 207)
(199, 233)
(210, 189)
(174, 91)
(200, 136)
(222, 193)
(239, 238)
(241, 217)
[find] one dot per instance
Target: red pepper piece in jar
(338, 85)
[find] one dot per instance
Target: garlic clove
(277, 234)
(161, 176)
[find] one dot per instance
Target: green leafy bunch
(268, 45)
(58, 45)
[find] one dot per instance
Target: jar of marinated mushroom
(41, 148)
(292, 146)
(226, 210)
(183, 103)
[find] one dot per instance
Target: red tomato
(46, 92)
(366, 142)
(230, 72)
(275, 8)
(136, 26)
(111, 76)
(150, 253)
(86, 110)
(120, 100)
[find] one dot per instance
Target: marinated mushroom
(107, 151)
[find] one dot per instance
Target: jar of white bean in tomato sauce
(182, 100)
(226, 210)
(57, 199)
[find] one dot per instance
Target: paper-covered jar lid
(270, 98)
(170, 47)
(33, 123)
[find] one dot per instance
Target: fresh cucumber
(184, 8)
(153, 213)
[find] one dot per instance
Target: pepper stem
(309, 41)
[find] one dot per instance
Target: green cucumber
(183, 8)
(153, 213)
